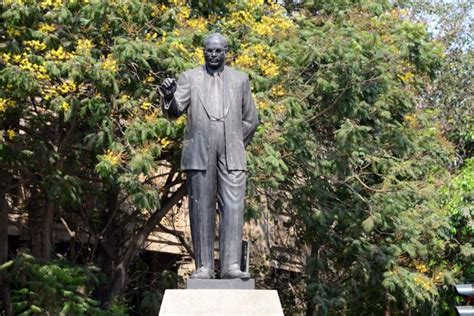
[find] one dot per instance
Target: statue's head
(215, 48)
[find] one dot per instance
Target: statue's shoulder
(193, 72)
(237, 74)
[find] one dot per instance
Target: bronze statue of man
(221, 120)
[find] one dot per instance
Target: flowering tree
(342, 147)
(83, 137)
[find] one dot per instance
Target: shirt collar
(212, 73)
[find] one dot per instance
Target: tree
(366, 163)
(347, 148)
(83, 136)
(451, 92)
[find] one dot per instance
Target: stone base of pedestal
(221, 303)
(222, 284)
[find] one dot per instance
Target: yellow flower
(59, 54)
(151, 117)
(163, 39)
(179, 47)
(260, 49)
(145, 105)
(124, 98)
(46, 28)
(49, 92)
(151, 36)
(84, 46)
(268, 68)
(65, 106)
(278, 91)
(438, 277)
(26, 65)
(245, 61)
(241, 18)
(277, 24)
(13, 32)
(165, 142)
(181, 120)
(183, 13)
(50, 3)
(109, 64)
(36, 45)
(198, 24)
(423, 282)
(150, 78)
(261, 55)
(67, 86)
(113, 158)
(280, 108)
(39, 71)
(407, 77)
(263, 29)
(10, 134)
(421, 267)
(198, 56)
(5, 103)
(411, 120)
(6, 58)
(256, 2)
(263, 104)
(17, 57)
(158, 9)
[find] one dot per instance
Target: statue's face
(214, 53)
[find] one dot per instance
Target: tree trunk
(388, 303)
(311, 307)
(47, 230)
(105, 254)
(4, 287)
(41, 214)
(119, 278)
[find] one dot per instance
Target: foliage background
(365, 143)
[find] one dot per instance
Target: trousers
(216, 187)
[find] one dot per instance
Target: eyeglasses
(217, 50)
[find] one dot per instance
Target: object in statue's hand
(168, 88)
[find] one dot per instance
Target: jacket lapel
(227, 94)
(201, 87)
(204, 95)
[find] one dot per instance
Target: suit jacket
(240, 121)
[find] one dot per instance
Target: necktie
(216, 100)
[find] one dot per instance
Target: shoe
(235, 273)
(202, 273)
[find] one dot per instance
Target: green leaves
(345, 149)
(64, 188)
(57, 287)
(141, 163)
(361, 160)
(18, 81)
(368, 224)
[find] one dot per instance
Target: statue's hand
(168, 88)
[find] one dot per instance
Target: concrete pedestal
(222, 284)
(221, 303)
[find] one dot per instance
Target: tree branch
(180, 237)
